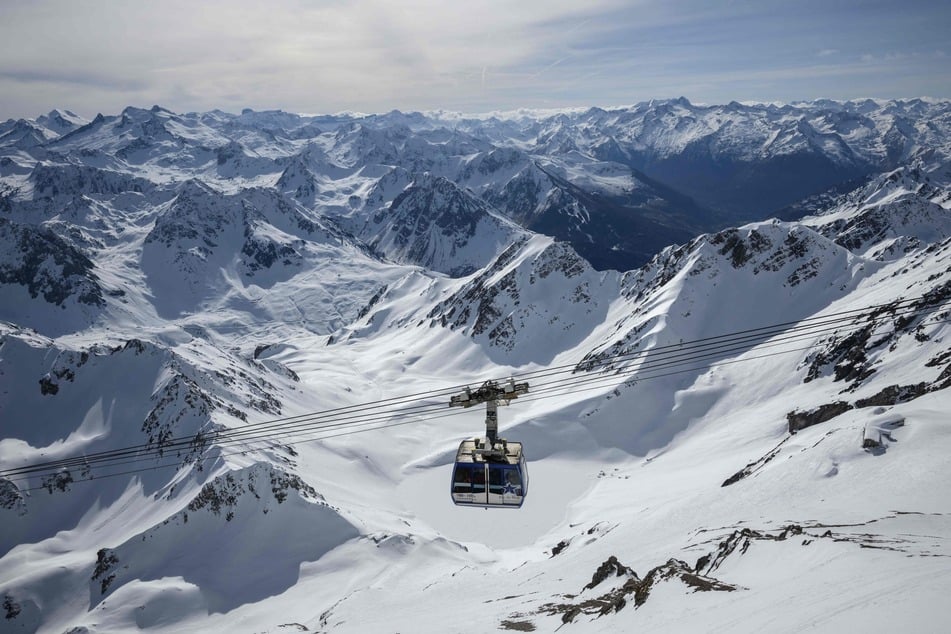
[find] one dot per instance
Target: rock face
(225, 516)
(631, 586)
(46, 265)
(52, 181)
(511, 305)
(801, 420)
(852, 356)
(891, 215)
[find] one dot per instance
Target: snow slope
(270, 312)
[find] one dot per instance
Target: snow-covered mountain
(618, 184)
(228, 344)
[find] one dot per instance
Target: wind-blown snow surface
(167, 277)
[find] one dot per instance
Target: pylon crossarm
(492, 394)
(489, 391)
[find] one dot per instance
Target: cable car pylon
(490, 460)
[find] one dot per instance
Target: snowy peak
(729, 150)
(61, 122)
(435, 224)
(384, 191)
(143, 123)
(358, 145)
(892, 215)
(536, 291)
(197, 211)
(233, 160)
(202, 230)
(769, 272)
(24, 135)
(273, 120)
(298, 181)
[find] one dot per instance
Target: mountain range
(228, 344)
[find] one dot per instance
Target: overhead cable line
(592, 384)
(342, 419)
(686, 351)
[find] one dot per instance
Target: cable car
(495, 476)
(490, 472)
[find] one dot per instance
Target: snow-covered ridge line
(592, 177)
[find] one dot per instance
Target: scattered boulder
(801, 420)
(878, 433)
(894, 394)
(611, 567)
(47, 386)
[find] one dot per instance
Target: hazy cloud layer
(375, 55)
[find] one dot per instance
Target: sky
(325, 56)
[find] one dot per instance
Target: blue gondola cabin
(491, 478)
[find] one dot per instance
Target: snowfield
(228, 345)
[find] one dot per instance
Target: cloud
(333, 53)
(375, 55)
(78, 78)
